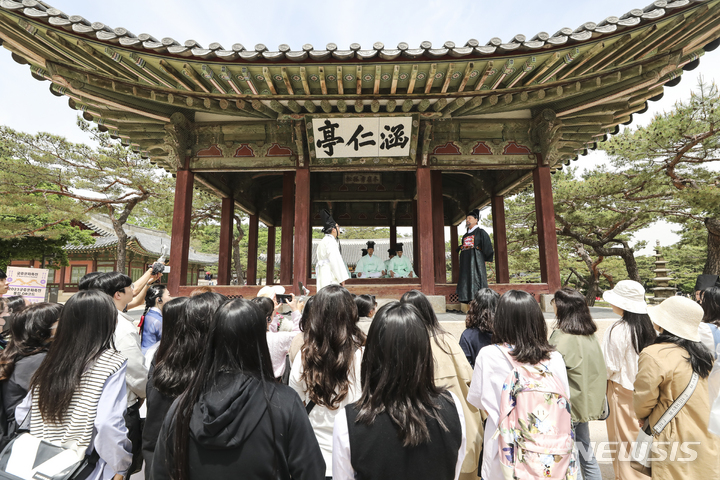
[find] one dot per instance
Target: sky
(28, 105)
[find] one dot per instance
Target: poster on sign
(362, 137)
(30, 283)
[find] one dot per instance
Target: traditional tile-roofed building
(383, 136)
(144, 246)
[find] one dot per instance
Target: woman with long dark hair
(622, 345)
(665, 369)
(519, 329)
(574, 337)
(326, 372)
(451, 372)
(404, 425)
(478, 323)
(177, 359)
(30, 335)
(77, 395)
(152, 319)
(234, 420)
(710, 302)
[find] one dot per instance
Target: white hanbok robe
(330, 268)
(370, 267)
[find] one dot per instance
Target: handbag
(28, 457)
(606, 410)
(640, 452)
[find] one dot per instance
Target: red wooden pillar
(286, 239)
(61, 282)
(547, 238)
(180, 239)
(227, 217)
(270, 276)
(502, 268)
(416, 243)
(438, 226)
(393, 235)
(302, 228)
(454, 256)
(425, 230)
(252, 250)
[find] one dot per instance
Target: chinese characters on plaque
(362, 137)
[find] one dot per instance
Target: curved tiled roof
(237, 52)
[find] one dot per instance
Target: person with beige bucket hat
(622, 344)
(665, 370)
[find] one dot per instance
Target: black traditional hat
(327, 220)
(399, 247)
(371, 244)
(364, 252)
(475, 213)
(706, 281)
(391, 252)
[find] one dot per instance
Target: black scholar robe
(475, 250)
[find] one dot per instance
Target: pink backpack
(535, 427)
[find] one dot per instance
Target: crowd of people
(342, 389)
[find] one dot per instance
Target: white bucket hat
(679, 316)
(270, 291)
(628, 295)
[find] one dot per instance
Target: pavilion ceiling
(576, 87)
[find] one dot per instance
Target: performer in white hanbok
(370, 266)
(330, 267)
(400, 267)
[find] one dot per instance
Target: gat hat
(371, 244)
(706, 281)
(270, 291)
(327, 220)
(364, 252)
(399, 247)
(391, 251)
(474, 213)
(628, 295)
(679, 316)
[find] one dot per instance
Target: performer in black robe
(476, 249)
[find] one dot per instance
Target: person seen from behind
(186, 322)
(665, 370)
(326, 371)
(478, 323)
(622, 345)
(366, 305)
(119, 288)
(30, 335)
(710, 327)
(520, 343)
(279, 341)
(403, 426)
(574, 337)
(77, 395)
(453, 373)
(234, 420)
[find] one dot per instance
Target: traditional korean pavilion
(381, 135)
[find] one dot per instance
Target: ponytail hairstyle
(30, 333)
(152, 295)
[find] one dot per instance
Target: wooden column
(252, 250)
(416, 243)
(93, 266)
(270, 274)
(393, 235)
(547, 238)
(438, 225)
(302, 228)
(502, 268)
(454, 255)
(180, 239)
(61, 280)
(425, 230)
(288, 219)
(227, 217)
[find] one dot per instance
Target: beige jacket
(453, 372)
(663, 374)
